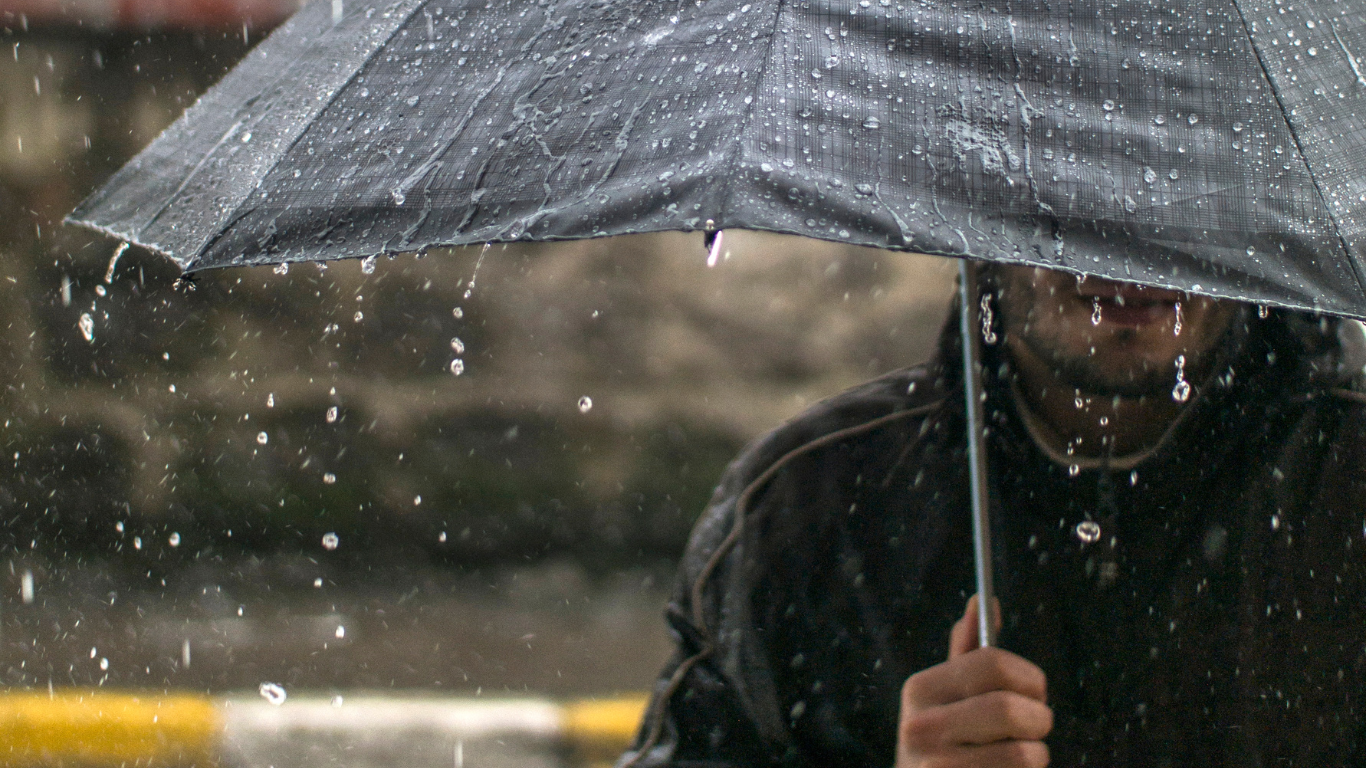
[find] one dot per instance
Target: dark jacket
(1219, 620)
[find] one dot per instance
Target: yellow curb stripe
(99, 728)
(602, 728)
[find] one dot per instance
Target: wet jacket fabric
(1219, 619)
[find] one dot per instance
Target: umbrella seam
(734, 156)
(1299, 147)
(237, 212)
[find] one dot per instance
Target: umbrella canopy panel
(1208, 146)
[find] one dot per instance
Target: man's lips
(1130, 305)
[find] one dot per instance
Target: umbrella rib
(734, 155)
(1299, 147)
(237, 214)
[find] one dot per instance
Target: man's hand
(983, 707)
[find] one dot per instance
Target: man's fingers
(973, 673)
(1004, 754)
(963, 637)
(980, 720)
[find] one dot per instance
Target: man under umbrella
(1177, 487)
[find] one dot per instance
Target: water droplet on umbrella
(1108, 105)
(1095, 310)
(1173, 174)
(1192, 118)
(273, 693)
(1237, 127)
(331, 414)
(872, 123)
(281, 269)
(457, 366)
(367, 265)
(1182, 391)
(1088, 531)
(331, 541)
(1160, 120)
(585, 404)
(173, 539)
(1149, 175)
(832, 61)
(262, 438)
(87, 326)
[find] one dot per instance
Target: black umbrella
(1215, 146)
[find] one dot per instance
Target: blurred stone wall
(253, 411)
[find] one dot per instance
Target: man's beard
(1084, 373)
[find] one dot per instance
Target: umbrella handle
(970, 330)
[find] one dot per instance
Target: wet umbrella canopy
(1217, 147)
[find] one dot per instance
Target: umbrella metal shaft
(977, 460)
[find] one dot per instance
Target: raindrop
(173, 539)
(832, 61)
(988, 320)
(367, 265)
(331, 414)
(341, 632)
(441, 537)
(458, 313)
(1182, 391)
(1237, 127)
(714, 252)
(262, 438)
(1192, 118)
(273, 693)
(270, 400)
(359, 316)
(87, 326)
(114, 262)
(1088, 531)
(1251, 251)
(104, 664)
(1108, 105)
(1133, 478)
(1129, 204)
(1073, 470)
(337, 700)
(458, 346)
(457, 366)
(816, 74)
(1095, 310)
(318, 583)
(331, 541)
(1176, 329)
(864, 189)
(585, 404)
(1262, 311)
(1174, 174)
(329, 478)
(26, 587)
(137, 542)
(1149, 175)
(1160, 120)
(872, 123)
(281, 269)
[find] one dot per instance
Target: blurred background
(454, 478)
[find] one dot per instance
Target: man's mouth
(1130, 305)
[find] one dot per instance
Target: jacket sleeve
(702, 711)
